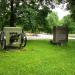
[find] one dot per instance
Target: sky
(61, 10)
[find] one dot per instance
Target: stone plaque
(60, 34)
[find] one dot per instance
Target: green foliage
(4, 14)
(68, 21)
(28, 17)
(41, 18)
(26, 14)
(52, 20)
(33, 19)
(72, 8)
(58, 1)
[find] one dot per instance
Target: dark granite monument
(60, 35)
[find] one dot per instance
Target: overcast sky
(61, 10)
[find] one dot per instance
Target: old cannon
(13, 36)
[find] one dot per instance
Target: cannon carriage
(13, 36)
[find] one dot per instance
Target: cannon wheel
(23, 40)
(3, 44)
(3, 40)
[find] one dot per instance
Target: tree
(68, 21)
(52, 20)
(72, 8)
(20, 11)
(41, 18)
(33, 17)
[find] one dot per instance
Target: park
(34, 41)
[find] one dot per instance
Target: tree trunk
(12, 15)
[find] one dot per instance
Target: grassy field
(39, 58)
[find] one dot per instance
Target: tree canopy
(26, 12)
(31, 14)
(72, 8)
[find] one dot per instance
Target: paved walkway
(44, 36)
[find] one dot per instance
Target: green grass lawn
(39, 58)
